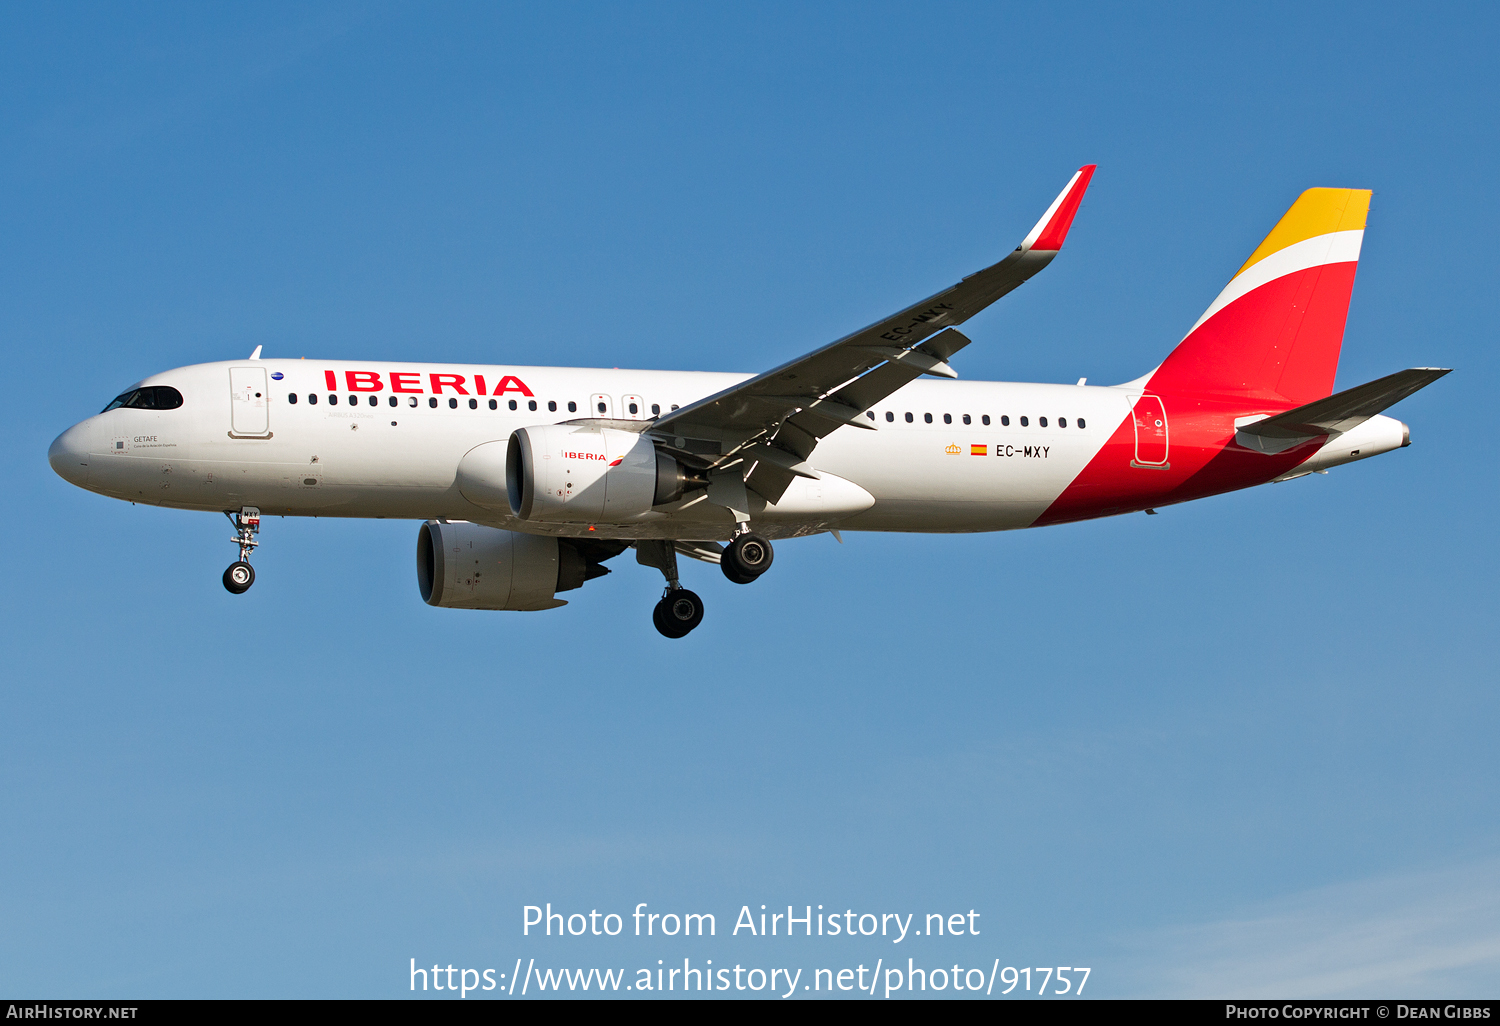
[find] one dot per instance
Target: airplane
(528, 479)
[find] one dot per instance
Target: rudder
(1275, 331)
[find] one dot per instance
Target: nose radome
(69, 456)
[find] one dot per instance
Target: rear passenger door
(1150, 432)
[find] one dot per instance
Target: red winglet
(1056, 231)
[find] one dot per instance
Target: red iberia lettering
(453, 381)
(332, 380)
(363, 381)
(583, 456)
(511, 383)
(405, 382)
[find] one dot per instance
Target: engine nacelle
(566, 473)
(470, 566)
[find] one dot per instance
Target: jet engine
(578, 474)
(470, 566)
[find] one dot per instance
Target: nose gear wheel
(239, 577)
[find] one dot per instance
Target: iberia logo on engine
(582, 456)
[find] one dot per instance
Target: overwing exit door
(1150, 432)
(249, 404)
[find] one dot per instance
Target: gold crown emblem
(953, 450)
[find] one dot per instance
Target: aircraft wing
(771, 423)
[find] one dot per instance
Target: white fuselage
(334, 452)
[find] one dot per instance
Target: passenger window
(927, 418)
(889, 416)
(452, 403)
(602, 408)
(908, 418)
(870, 414)
(1004, 420)
(966, 419)
(572, 407)
(473, 404)
(947, 418)
(512, 404)
(1025, 422)
(354, 400)
(392, 400)
(634, 408)
(674, 406)
(312, 399)
(412, 402)
(656, 409)
(494, 405)
(1041, 421)
(551, 406)
(432, 402)
(374, 401)
(1081, 424)
(531, 406)
(1062, 421)
(333, 400)
(985, 420)
(292, 398)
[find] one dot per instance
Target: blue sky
(1245, 746)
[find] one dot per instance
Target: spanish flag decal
(979, 450)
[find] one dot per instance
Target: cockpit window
(155, 397)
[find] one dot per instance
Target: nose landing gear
(240, 575)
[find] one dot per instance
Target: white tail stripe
(1333, 248)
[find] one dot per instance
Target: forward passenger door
(249, 403)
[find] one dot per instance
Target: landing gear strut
(240, 575)
(746, 557)
(679, 610)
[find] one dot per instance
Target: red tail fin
(1275, 331)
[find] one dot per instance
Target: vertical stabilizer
(1275, 331)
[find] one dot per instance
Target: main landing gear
(240, 575)
(679, 610)
(743, 560)
(746, 557)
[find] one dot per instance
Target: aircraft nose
(69, 455)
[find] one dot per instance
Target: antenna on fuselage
(256, 355)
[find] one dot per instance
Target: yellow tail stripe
(1316, 212)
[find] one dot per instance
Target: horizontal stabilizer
(1344, 410)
